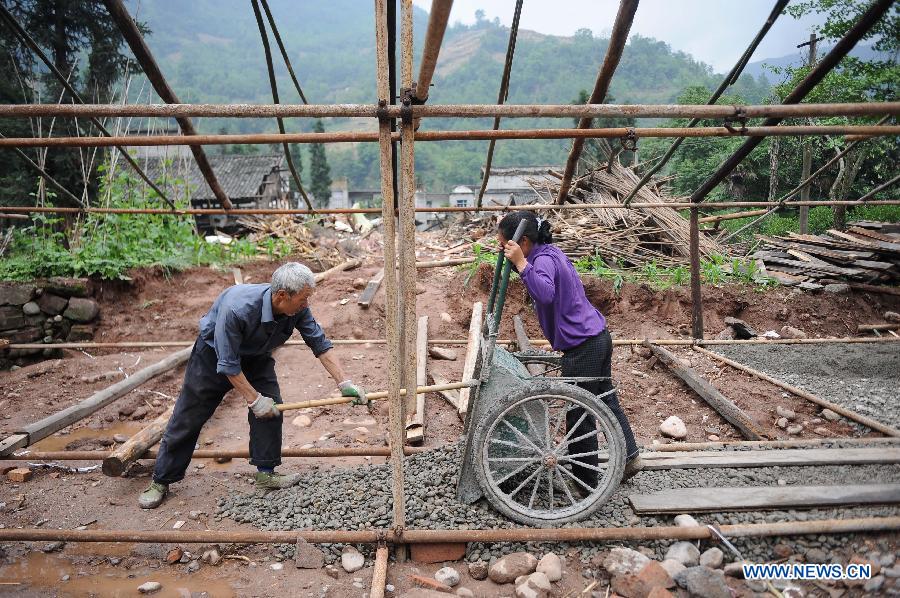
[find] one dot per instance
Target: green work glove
(349, 389)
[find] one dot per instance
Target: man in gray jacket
(234, 350)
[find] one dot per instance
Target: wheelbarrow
(540, 449)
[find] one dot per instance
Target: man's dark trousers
(201, 394)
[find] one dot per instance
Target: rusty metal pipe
(702, 111)
(379, 572)
(417, 536)
(195, 141)
(434, 37)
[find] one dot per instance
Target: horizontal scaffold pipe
(473, 135)
(452, 341)
(451, 110)
(419, 536)
(678, 205)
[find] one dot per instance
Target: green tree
(319, 171)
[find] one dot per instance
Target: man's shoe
(153, 496)
(632, 467)
(266, 482)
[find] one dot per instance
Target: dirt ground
(166, 308)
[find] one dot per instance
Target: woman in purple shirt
(571, 324)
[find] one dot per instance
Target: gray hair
(292, 277)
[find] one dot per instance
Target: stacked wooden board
(867, 252)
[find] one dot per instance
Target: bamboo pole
(119, 14)
(702, 111)
(444, 263)
(417, 536)
(374, 396)
(851, 415)
(451, 341)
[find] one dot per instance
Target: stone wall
(49, 311)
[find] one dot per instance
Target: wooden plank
(707, 500)
(748, 428)
(770, 458)
(866, 242)
(872, 288)
(872, 234)
(347, 265)
(806, 257)
(473, 347)
(238, 275)
(415, 422)
(785, 278)
(368, 294)
(451, 396)
(131, 450)
(53, 423)
(534, 369)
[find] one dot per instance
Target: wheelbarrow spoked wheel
(550, 455)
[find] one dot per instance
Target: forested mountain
(210, 51)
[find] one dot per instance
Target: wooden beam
(442, 263)
(770, 458)
(415, 422)
(473, 346)
(131, 450)
(53, 423)
(238, 275)
(733, 414)
(707, 500)
(347, 265)
(534, 369)
(451, 396)
(840, 410)
(368, 294)
(872, 327)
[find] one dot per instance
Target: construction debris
(862, 254)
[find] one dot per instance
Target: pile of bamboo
(297, 234)
(627, 238)
(868, 252)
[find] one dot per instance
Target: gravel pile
(861, 377)
(360, 498)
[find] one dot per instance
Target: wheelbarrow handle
(501, 281)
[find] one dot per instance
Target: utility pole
(807, 144)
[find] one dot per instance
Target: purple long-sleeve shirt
(563, 310)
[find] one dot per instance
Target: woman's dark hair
(536, 229)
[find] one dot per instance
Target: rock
(31, 309)
(639, 585)
(795, 430)
(359, 283)
(54, 546)
(685, 520)
(195, 515)
(782, 422)
(174, 555)
(816, 555)
(447, 576)
(702, 581)
(302, 421)
(508, 568)
(442, 353)
(149, 587)
(892, 316)
(52, 304)
(785, 413)
(445, 317)
(838, 288)
(727, 334)
(68, 287)
(211, 557)
(624, 561)
(535, 585)
(16, 294)
(874, 585)
(660, 593)
(80, 332)
(331, 571)
(478, 570)
(782, 551)
(276, 566)
(791, 332)
(735, 569)
(307, 556)
(120, 438)
(193, 566)
(673, 427)
(672, 567)
(830, 415)
(351, 559)
(11, 317)
(81, 310)
(821, 431)
(742, 330)
(551, 566)
(685, 553)
(465, 593)
(712, 558)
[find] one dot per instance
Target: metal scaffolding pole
(434, 37)
(141, 51)
(392, 319)
(34, 47)
(617, 41)
(730, 79)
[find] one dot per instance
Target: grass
(820, 220)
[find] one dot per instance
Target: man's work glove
(264, 407)
(349, 389)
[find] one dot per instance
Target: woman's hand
(514, 254)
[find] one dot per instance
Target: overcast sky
(713, 31)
